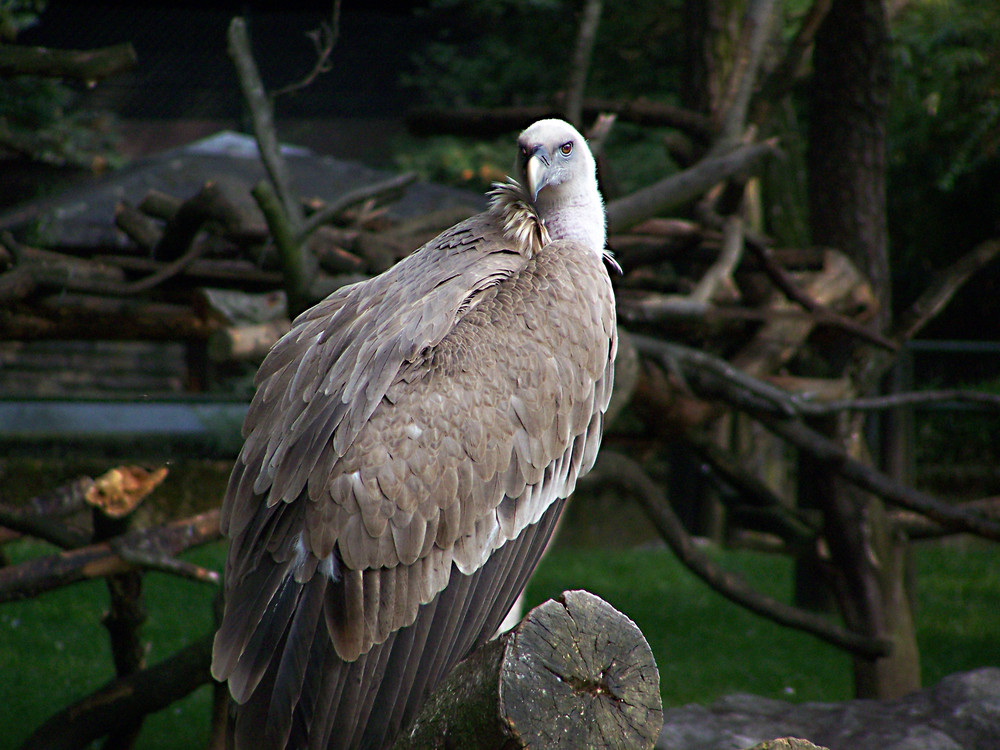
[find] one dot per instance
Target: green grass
(704, 646)
(53, 649)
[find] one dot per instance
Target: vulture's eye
(566, 149)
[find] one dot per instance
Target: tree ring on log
(580, 674)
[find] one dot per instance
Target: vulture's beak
(536, 171)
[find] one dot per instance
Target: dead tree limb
(654, 307)
(43, 525)
(582, 52)
(46, 269)
(262, 118)
(324, 39)
(739, 87)
(159, 205)
(625, 472)
(139, 227)
(781, 413)
(786, 284)
(718, 280)
(243, 274)
(713, 376)
(87, 316)
(210, 204)
(686, 185)
(43, 574)
(706, 373)
(332, 210)
(929, 304)
(782, 77)
(123, 620)
(897, 401)
(128, 698)
(939, 293)
(838, 285)
(870, 479)
(296, 268)
(916, 526)
(794, 527)
(246, 343)
(16, 284)
(575, 675)
(83, 65)
(175, 244)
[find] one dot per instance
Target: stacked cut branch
(182, 249)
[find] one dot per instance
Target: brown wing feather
(460, 396)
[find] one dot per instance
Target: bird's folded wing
(435, 435)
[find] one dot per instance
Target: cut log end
(575, 675)
(579, 674)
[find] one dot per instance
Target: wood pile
(203, 270)
(199, 270)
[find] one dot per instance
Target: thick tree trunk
(847, 132)
(846, 155)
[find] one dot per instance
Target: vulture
(407, 452)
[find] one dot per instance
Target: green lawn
(54, 650)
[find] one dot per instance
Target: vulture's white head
(559, 175)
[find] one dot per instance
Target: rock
(787, 743)
(962, 712)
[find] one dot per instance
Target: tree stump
(575, 674)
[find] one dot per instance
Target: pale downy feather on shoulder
(521, 224)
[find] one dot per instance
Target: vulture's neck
(576, 217)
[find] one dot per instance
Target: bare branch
(586, 36)
(917, 526)
(781, 79)
(743, 77)
(715, 376)
(83, 65)
(42, 527)
(943, 288)
(324, 39)
(824, 315)
(614, 467)
(684, 186)
(897, 401)
(776, 409)
(262, 117)
(793, 525)
(142, 554)
(348, 199)
(719, 277)
(127, 698)
(97, 560)
(874, 481)
(296, 268)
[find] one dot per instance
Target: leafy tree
(38, 118)
(944, 147)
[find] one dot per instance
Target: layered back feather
(405, 459)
